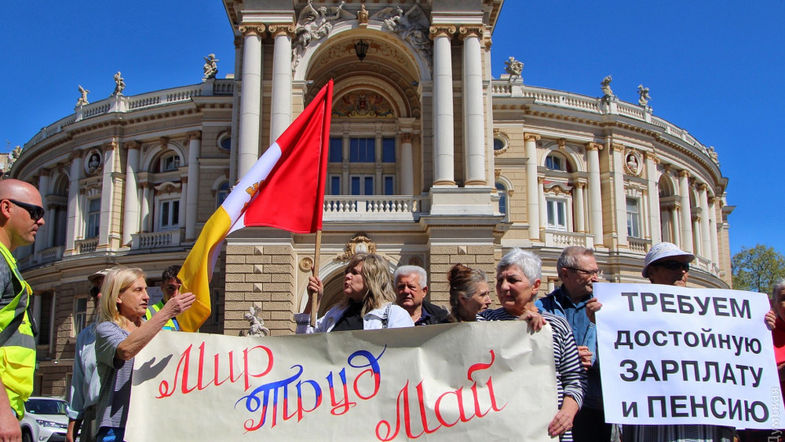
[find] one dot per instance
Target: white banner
(673, 355)
(471, 381)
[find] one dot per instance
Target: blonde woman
(368, 302)
(120, 335)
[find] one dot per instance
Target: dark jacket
(436, 314)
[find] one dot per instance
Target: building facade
(432, 162)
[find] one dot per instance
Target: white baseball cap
(661, 251)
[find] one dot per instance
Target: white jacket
(373, 320)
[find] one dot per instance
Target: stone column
(74, 216)
(43, 232)
(652, 178)
(705, 236)
(532, 189)
(443, 137)
(107, 196)
(251, 98)
(686, 215)
(281, 100)
(131, 201)
(676, 223)
(192, 198)
(543, 206)
(619, 195)
(407, 164)
(595, 200)
(580, 220)
(715, 256)
(235, 111)
(145, 208)
(473, 106)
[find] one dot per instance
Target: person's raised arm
(140, 337)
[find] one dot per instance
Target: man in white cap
(667, 264)
(85, 383)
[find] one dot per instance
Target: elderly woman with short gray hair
(518, 277)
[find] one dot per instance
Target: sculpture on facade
(607, 92)
(411, 26)
(119, 84)
(513, 67)
(210, 67)
(82, 96)
(256, 324)
(312, 25)
(643, 95)
(362, 15)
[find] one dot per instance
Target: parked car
(44, 420)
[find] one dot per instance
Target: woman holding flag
(368, 302)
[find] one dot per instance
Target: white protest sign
(471, 381)
(674, 355)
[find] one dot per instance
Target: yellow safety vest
(17, 348)
(171, 324)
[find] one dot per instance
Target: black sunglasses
(673, 265)
(36, 212)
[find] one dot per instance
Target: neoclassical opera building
(432, 161)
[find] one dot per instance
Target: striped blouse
(570, 376)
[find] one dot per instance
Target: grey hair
(529, 263)
(779, 284)
(569, 256)
(408, 270)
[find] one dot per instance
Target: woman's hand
(179, 304)
(771, 319)
(535, 320)
(585, 354)
(315, 286)
(592, 307)
(562, 422)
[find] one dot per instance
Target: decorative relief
(358, 244)
(632, 162)
(306, 264)
(362, 104)
(93, 161)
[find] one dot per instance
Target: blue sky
(715, 68)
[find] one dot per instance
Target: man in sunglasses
(667, 264)
(21, 215)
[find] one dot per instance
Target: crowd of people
(373, 299)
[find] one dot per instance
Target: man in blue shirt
(577, 269)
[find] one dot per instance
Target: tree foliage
(757, 269)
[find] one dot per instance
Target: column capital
(651, 156)
(406, 137)
(703, 187)
(530, 136)
(594, 146)
(250, 29)
(465, 32)
(580, 184)
(277, 29)
(43, 172)
(197, 134)
(112, 145)
(441, 31)
(133, 144)
(616, 147)
(540, 180)
(684, 173)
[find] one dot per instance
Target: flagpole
(315, 270)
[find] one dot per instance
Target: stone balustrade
(152, 240)
(372, 208)
(86, 245)
(560, 239)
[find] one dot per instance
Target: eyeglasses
(36, 212)
(673, 265)
(597, 272)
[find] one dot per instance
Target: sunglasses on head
(36, 212)
(673, 265)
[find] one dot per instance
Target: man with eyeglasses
(577, 269)
(21, 215)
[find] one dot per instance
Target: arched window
(223, 191)
(556, 162)
(168, 162)
(502, 191)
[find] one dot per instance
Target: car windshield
(45, 406)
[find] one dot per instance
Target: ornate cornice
(441, 31)
(465, 32)
(252, 29)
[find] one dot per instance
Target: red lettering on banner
(386, 431)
